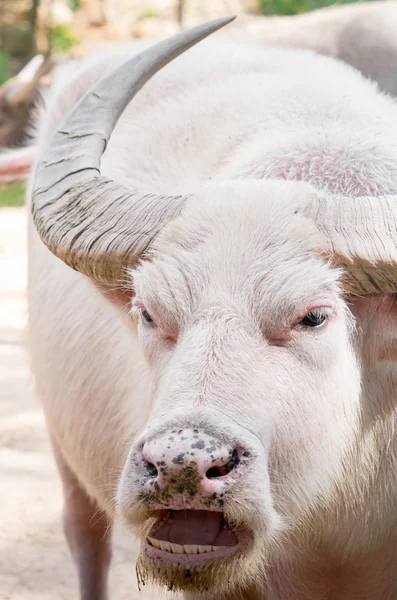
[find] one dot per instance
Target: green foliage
(74, 4)
(4, 65)
(149, 13)
(63, 38)
(295, 7)
(12, 195)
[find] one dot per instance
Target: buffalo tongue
(201, 527)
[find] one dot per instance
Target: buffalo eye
(147, 319)
(315, 318)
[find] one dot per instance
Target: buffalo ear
(375, 341)
(376, 319)
(120, 296)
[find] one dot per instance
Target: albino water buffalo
(363, 34)
(213, 320)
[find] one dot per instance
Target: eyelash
(147, 319)
(315, 318)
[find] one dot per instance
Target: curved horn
(361, 236)
(93, 224)
(22, 87)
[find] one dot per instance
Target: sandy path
(34, 560)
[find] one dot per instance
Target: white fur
(251, 133)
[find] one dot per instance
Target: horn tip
(212, 26)
(225, 20)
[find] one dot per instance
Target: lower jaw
(189, 560)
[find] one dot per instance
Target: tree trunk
(33, 24)
(180, 12)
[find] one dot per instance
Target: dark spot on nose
(178, 460)
(200, 445)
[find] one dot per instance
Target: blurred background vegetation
(12, 194)
(295, 7)
(61, 26)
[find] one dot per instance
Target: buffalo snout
(189, 467)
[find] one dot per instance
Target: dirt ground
(34, 560)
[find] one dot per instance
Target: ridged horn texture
(360, 234)
(93, 224)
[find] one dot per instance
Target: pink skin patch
(336, 170)
(339, 168)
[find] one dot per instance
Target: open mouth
(193, 536)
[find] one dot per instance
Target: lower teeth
(183, 549)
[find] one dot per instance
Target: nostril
(222, 470)
(151, 469)
(215, 472)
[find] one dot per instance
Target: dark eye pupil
(146, 317)
(314, 318)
